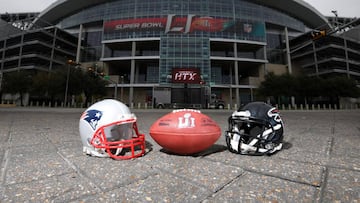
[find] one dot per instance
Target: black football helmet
(255, 129)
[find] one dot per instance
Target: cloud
(346, 8)
(19, 6)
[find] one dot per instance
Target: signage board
(186, 75)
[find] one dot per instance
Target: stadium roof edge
(296, 8)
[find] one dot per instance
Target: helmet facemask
(120, 140)
(248, 135)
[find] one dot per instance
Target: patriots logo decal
(92, 117)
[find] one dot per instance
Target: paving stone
(160, 187)
(108, 174)
(209, 174)
(253, 187)
(32, 163)
(59, 188)
(342, 186)
(305, 173)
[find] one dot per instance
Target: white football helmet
(108, 129)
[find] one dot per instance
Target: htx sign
(185, 75)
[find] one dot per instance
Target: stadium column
(288, 50)
(21, 49)
(78, 51)
(132, 75)
(2, 65)
(346, 56)
(230, 89)
(288, 59)
(53, 49)
(265, 64)
(315, 59)
(236, 73)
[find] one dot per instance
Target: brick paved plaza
(41, 161)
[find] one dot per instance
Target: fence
(147, 106)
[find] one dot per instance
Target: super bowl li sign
(170, 24)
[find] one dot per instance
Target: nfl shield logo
(247, 27)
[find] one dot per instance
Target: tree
(337, 87)
(287, 85)
(51, 86)
(278, 86)
(80, 81)
(39, 85)
(93, 84)
(308, 87)
(17, 82)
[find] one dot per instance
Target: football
(185, 131)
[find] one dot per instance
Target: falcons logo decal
(92, 117)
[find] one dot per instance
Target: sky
(344, 8)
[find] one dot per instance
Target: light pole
(67, 84)
(100, 73)
(345, 43)
(336, 19)
(1, 77)
(69, 64)
(122, 87)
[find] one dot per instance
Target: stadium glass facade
(142, 44)
(183, 52)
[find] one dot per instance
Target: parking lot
(42, 161)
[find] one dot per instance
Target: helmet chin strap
(92, 152)
(234, 142)
(118, 151)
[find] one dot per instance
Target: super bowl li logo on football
(186, 121)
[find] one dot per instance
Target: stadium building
(184, 52)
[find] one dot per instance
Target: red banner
(186, 75)
(180, 24)
(171, 23)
